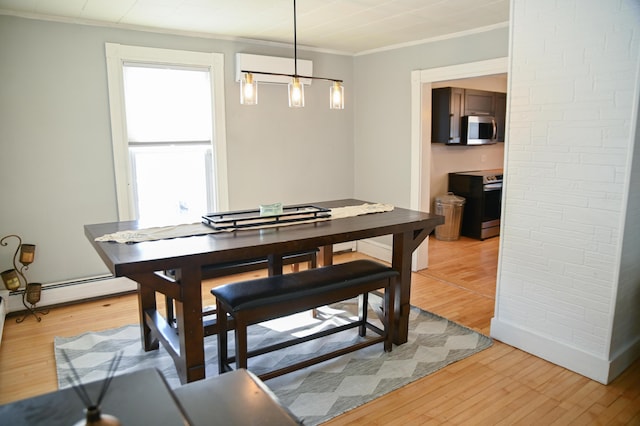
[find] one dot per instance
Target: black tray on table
(252, 218)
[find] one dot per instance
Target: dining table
(146, 263)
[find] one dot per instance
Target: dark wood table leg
(404, 244)
(190, 364)
(147, 302)
(325, 256)
(274, 264)
(401, 262)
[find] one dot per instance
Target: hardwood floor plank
(535, 373)
(521, 408)
(629, 415)
(545, 414)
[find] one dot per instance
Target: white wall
(383, 126)
(383, 108)
(625, 336)
(564, 289)
(55, 143)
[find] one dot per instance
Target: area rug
(315, 394)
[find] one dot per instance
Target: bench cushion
(282, 288)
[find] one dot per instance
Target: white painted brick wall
(572, 90)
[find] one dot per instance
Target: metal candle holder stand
(12, 278)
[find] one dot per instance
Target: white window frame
(117, 55)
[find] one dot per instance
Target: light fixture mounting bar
(291, 75)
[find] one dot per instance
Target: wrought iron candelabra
(14, 278)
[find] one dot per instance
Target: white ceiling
(348, 26)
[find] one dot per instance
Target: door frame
(421, 84)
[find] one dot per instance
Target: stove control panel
(492, 179)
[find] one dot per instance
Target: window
(167, 117)
(168, 112)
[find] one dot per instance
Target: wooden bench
(232, 268)
(259, 300)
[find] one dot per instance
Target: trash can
(451, 207)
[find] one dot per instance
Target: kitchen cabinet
(447, 105)
(500, 115)
(479, 102)
(450, 104)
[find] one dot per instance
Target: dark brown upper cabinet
(450, 104)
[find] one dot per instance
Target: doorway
(422, 82)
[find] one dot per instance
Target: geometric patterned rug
(314, 394)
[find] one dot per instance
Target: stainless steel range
(482, 190)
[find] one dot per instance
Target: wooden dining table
(145, 263)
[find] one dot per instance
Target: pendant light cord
(295, 42)
(295, 58)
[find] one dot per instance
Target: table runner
(195, 229)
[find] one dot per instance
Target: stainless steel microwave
(478, 130)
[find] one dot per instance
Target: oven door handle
(492, 186)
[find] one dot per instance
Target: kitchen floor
(467, 262)
(465, 269)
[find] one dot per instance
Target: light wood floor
(498, 386)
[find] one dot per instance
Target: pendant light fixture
(336, 96)
(296, 93)
(249, 86)
(248, 90)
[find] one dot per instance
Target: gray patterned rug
(315, 394)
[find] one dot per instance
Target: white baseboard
(384, 252)
(375, 249)
(586, 364)
(54, 294)
(623, 359)
(348, 246)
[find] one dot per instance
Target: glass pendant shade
(248, 90)
(296, 93)
(336, 96)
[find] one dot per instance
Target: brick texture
(572, 99)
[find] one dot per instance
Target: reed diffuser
(93, 414)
